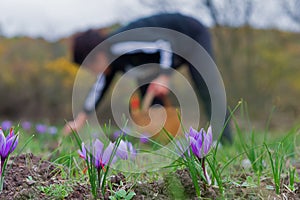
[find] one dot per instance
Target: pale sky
(59, 18)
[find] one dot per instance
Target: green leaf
(121, 193)
(130, 195)
(112, 198)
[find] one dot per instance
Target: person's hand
(76, 124)
(69, 127)
(159, 86)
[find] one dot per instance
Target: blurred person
(85, 42)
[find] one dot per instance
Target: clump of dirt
(183, 179)
(26, 172)
(147, 191)
(176, 185)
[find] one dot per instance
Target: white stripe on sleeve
(95, 93)
(131, 47)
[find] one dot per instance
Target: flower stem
(204, 169)
(99, 177)
(1, 175)
(1, 180)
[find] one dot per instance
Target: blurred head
(83, 44)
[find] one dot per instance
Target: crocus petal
(1, 131)
(10, 146)
(199, 142)
(131, 150)
(15, 143)
(2, 142)
(207, 141)
(194, 147)
(209, 133)
(116, 134)
(144, 137)
(183, 146)
(107, 153)
(11, 134)
(98, 149)
(179, 148)
(82, 151)
(200, 135)
(193, 133)
(7, 147)
(97, 153)
(81, 155)
(122, 150)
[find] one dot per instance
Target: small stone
(30, 182)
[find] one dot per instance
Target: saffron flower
(41, 128)
(97, 159)
(52, 130)
(7, 144)
(6, 125)
(118, 133)
(144, 138)
(126, 150)
(200, 142)
(100, 156)
(26, 125)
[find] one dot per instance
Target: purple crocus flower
(52, 130)
(126, 150)
(117, 134)
(200, 142)
(26, 125)
(144, 138)
(6, 125)
(41, 128)
(7, 144)
(100, 155)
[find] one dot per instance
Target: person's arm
(166, 60)
(91, 102)
(76, 124)
(160, 85)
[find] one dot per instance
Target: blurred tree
(230, 12)
(57, 84)
(292, 9)
(235, 50)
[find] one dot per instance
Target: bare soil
(26, 173)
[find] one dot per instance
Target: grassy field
(258, 165)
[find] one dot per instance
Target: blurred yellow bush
(61, 71)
